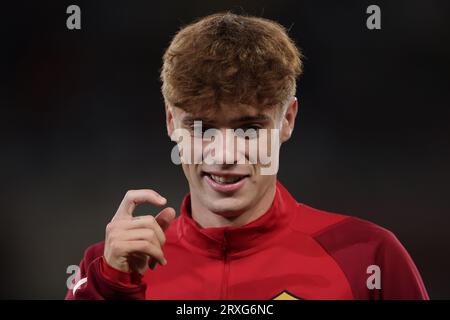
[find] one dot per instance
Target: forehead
(226, 114)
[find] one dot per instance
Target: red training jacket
(291, 252)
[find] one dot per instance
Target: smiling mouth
(225, 179)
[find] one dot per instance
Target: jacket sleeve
(357, 246)
(400, 278)
(96, 284)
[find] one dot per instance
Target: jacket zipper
(226, 269)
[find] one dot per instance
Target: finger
(144, 234)
(165, 217)
(146, 247)
(150, 222)
(133, 198)
(141, 222)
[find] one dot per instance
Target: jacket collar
(224, 241)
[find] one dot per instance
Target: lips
(225, 182)
(226, 179)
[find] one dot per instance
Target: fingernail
(164, 262)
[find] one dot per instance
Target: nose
(222, 149)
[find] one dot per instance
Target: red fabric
(124, 279)
(95, 286)
(292, 249)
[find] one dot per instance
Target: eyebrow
(257, 118)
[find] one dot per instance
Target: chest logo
(285, 295)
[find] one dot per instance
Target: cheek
(189, 172)
(186, 170)
(261, 182)
(198, 145)
(246, 149)
(268, 145)
(195, 176)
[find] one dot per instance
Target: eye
(198, 130)
(255, 127)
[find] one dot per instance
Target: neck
(209, 219)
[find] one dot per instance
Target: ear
(169, 121)
(288, 121)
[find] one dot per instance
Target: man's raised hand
(133, 244)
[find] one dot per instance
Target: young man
(240, 234)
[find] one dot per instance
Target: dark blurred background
(82, 121)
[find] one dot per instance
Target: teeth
(224, 180)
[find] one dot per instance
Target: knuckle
(151, 234)
(114, 246)
(151, 221)
(112, 236)
(129, 194)
(148, 245)
(155, 194)
(109, 227)
(145, 247)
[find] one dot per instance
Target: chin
(227, 207)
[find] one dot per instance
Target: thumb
(165, 217)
